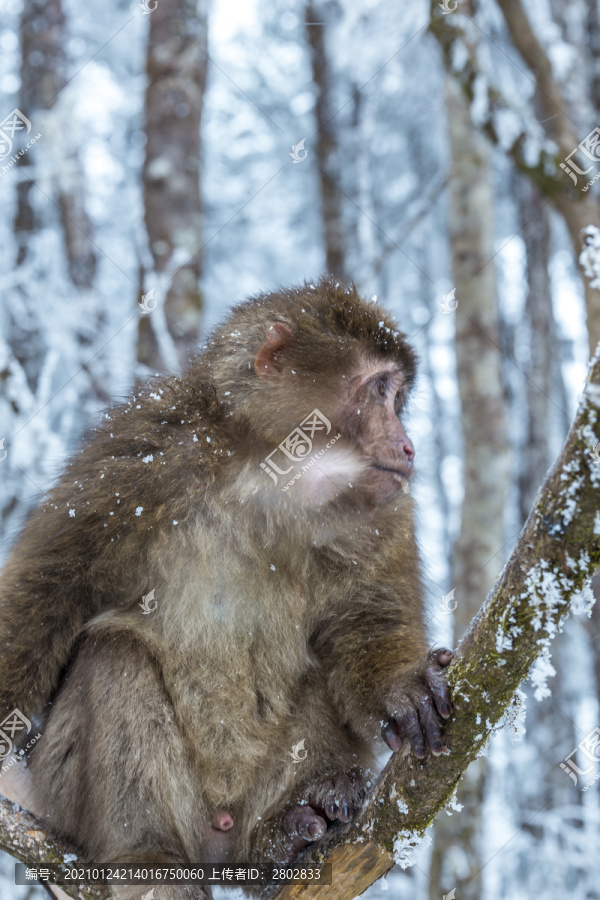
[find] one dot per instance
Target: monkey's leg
(112, 768)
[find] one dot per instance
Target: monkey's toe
(305, 823)
(340, 796)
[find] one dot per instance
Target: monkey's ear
(279, 338)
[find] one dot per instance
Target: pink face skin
(377, 396)
(382, 450)
(372, 457)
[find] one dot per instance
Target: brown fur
(279, 618)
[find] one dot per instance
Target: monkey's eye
(382, 386)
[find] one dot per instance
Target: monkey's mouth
(401, 475)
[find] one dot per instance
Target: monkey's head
(315, 379)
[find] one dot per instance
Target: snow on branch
(590, 255)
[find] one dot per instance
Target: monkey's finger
(409, 726)
(440, 691)
(431, 726)
(359, 781)
(389, 733)
(305, 823)
(339, 797)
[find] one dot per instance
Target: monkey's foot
(339, 797)
(302, 825)
(415, 702)
(336, 799)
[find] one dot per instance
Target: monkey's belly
(254, 738)
(133, 756)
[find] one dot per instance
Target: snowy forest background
(427, 170)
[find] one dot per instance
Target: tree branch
(555, 556)
(459, 37)
(25, 837)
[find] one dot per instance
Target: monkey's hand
(412, 702)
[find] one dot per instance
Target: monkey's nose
(409, 450)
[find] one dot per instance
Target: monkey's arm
(380, 673)
(88, 547)
(62, 571)
(65, 568)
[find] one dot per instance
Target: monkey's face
(360, 453)
(374, 428)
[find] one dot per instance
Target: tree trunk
(43, 76)
(534, 455)
(176, 68)
(326, 144)
(485, 449)
(478, 360)
(26, 355)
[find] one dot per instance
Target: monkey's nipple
(222, 821)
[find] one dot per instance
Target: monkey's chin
(392, 482)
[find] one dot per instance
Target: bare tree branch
(459, 37)
(25, 837)
(422, 208)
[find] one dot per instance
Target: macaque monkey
(261, 501)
